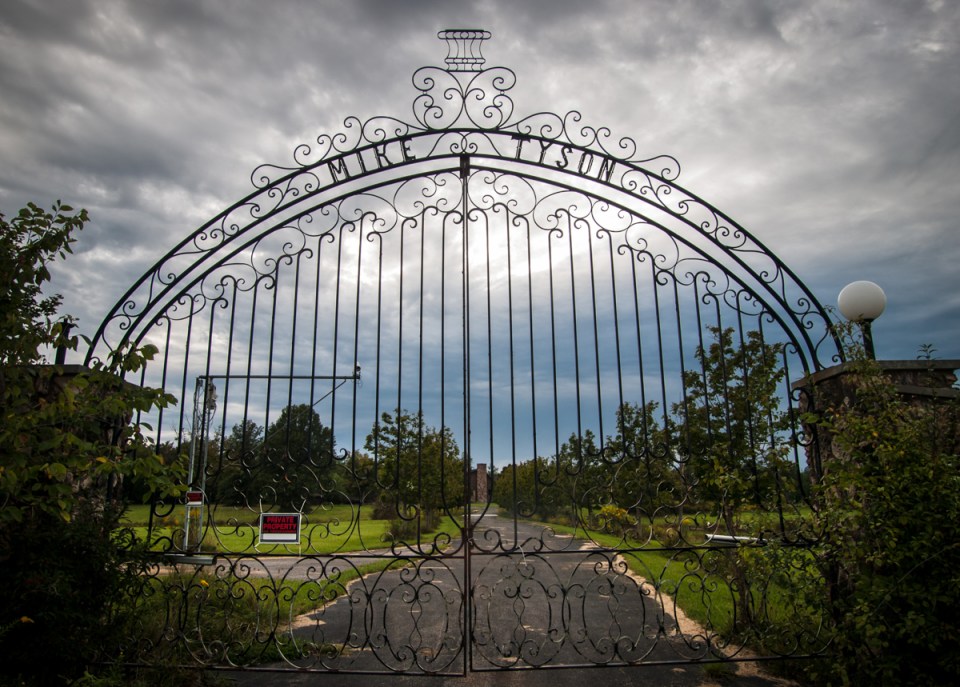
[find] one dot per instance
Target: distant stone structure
(479, 484)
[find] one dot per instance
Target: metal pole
(191, 466)
(865, 327)
(209, 409)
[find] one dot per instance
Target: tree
(228, 481)
(730, 432)
(633, 470)
(298, 455)
(578, 477)
(730, 435)
(288, 467)
(68, 435)
(643, 471)
(531, 489)
(417, 467)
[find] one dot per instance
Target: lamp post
(863, 302)
(204, 406)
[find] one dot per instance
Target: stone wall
(917, 381)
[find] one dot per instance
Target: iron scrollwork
(529, 294)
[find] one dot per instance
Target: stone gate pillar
(920, 382)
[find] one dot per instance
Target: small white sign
(280, 528)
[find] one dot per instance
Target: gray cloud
(829, 130)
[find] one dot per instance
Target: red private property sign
(280, 528)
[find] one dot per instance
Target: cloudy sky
(830, 130)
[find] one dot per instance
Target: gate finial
(463, 49)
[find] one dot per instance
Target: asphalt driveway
(544, 606)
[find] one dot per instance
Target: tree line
(725, 446)
(293, 463)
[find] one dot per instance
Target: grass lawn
(139, 514)
(702, 583)
(324, 530)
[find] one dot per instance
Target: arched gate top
(463, 121)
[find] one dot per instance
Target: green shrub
(613, 519)
(401, 529)
(67, 444)
(890, 552)
(60, 579)
(384, 509)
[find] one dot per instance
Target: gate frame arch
(644, 188)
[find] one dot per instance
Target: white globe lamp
(863, 302)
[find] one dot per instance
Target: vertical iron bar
(159, 431)
(467, 535)
(192, 464)
(399, 407)
(183, 394)
(273, 332)
(420, 423)
(336, 332)
(725, 382)
(683, 370)
(751, 429)
(489, 304)
(449, 508)
(655, 280)
(163, 380)
(206, 429)
(616, 332)
(556, 391)
(246, 395)
(378, 359)
(513, 455)
(576, 342)
(186, 368)
(533, 367)
(204, 449)
(226, 383)
(513, 393)
(356, 366)
(316, 332)
(705, 349)
(596, 336)
(293, 353)
(643, 385)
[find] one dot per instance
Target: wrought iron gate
(507, 395)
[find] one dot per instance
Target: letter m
(338, 169)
